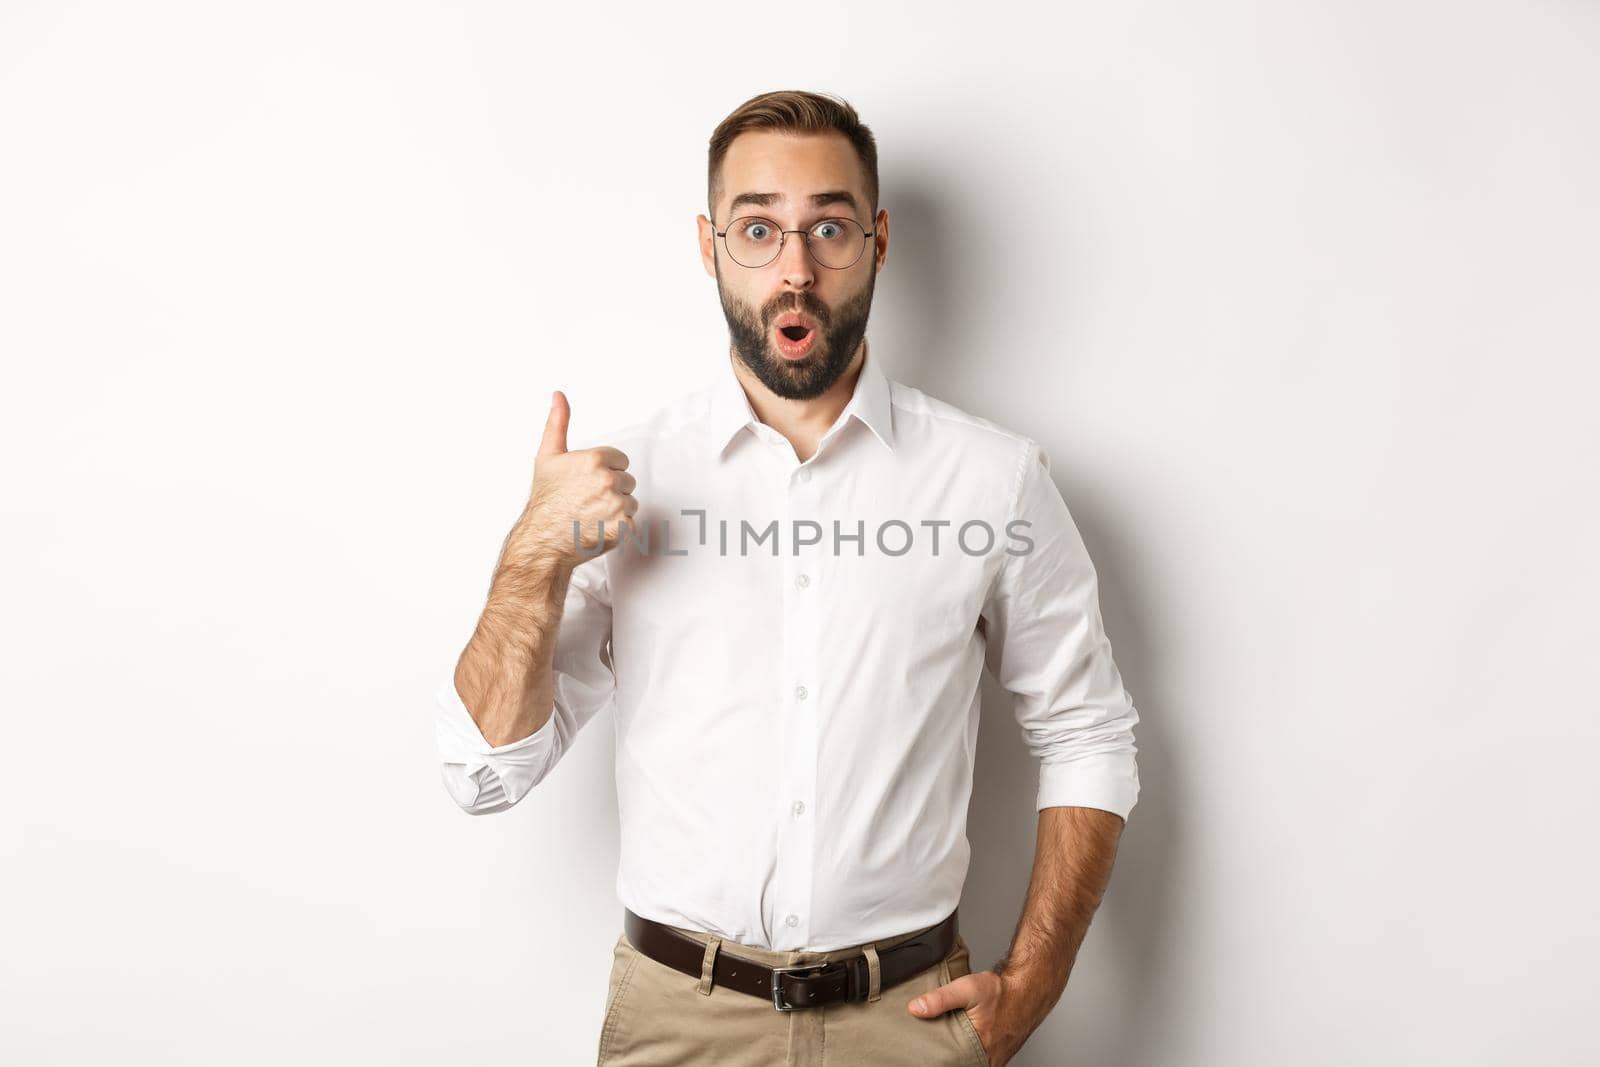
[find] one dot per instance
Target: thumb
(952, 995)
(555, 427)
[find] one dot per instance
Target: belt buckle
(777, 984)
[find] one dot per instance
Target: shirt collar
(731, 410)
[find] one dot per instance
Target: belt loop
(874, 972)
(708, 964)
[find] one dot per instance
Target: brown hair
(795, 111)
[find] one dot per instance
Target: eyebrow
(838, 196)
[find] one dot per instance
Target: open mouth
(794, 333)
(794, 340)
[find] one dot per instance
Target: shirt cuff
(1108, 781)
(519, 765)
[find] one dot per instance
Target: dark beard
(839, 335)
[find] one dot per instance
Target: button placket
(798, 728)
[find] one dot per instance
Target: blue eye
(838, 231)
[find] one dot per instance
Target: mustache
(803, 304)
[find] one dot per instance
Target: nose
(794, 262)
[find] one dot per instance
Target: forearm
(1073, 856)
(506, 673)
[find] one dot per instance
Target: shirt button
(803, 475)
(800, 692)
(801, 581)
(799, 807)
(793, 920)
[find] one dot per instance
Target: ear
(708, 246)
(880, 239)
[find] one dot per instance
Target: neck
(802, 422)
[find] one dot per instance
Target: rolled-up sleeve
(483, 778)
(1047, 646)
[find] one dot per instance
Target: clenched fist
(589, 487)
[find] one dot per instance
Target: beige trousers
(660, 1017)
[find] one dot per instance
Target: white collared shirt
(793, 664)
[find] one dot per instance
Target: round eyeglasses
(753, 241)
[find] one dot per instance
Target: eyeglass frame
(783, 235)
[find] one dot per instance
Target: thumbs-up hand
(588, 487)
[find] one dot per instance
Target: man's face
(787, 172)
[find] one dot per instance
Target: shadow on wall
(1117, 985)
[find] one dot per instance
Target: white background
(1301, 298)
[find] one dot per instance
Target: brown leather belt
(804, 985)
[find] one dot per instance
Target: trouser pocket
(624, 959)
(957, 965)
